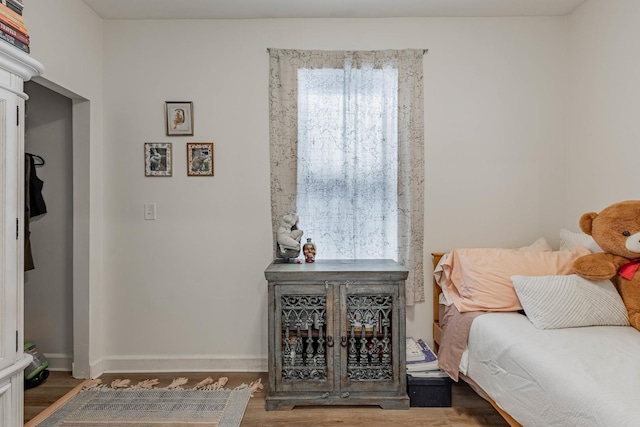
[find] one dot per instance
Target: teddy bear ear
(586, 222)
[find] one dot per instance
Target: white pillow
(441, 280)
(569, 239)
(554, 302)
(539, 245)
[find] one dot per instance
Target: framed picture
(200, 158)
(179, 118)
(157, 159)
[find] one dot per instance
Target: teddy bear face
(616, 229)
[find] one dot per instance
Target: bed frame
(437, 334)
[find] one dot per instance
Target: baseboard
(179, 363)
(59, 361)
(96, 369)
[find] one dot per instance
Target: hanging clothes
(34, 205)
(28, 256)
(37, 205)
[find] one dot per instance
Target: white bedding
(584, 377)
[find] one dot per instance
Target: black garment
(36, 201)
(33, 206)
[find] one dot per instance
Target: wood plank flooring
(468, 408)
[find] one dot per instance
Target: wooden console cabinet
(337, 334)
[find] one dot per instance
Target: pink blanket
(455, 333)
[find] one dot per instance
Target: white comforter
(564, 377)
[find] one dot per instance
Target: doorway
(56, 315)
(48, 287)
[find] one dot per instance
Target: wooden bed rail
(437, 331)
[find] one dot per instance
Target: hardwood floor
(39, 398)
(468, 408)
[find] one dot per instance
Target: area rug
(207, 404)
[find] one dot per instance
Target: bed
(559, 376)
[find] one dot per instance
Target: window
(339, 123)
(347, 161)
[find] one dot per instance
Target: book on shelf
(420, 357)
(14, 7)
(13, 32)
(17, 3)
(419, 351)
(13, 24)
(422, 366)
(12, 16)
(17, 24)
(436, 373)
(15, 42)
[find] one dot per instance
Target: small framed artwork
(179, 118)
(200, 158)
(157, 159)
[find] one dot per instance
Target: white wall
(188, 290)
(529, 123)
(66, 36)
(603, 139)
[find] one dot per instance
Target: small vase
(309, 251)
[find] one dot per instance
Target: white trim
(18, 366)
(17, 62)
(95, 369)
(59, 361)
(179, 363)
(5, 387)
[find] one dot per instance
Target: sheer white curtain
(347, 161)
(347, 150)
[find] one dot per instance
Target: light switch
(149, 211)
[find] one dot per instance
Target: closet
(15, 68)
(48, 287)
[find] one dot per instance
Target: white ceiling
(257, 9)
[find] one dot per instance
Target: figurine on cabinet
(309, 251)
(288, 237)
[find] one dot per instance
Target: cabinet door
(304, 325)
(369, 335)
(9, 214)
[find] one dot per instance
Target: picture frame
(158, 159)
(200, 159)
(179, 118)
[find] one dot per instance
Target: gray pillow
(554, 302)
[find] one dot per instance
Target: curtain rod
(424, 51)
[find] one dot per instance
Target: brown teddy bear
(617, 231)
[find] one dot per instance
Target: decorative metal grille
(303, 337)
(369, 330)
